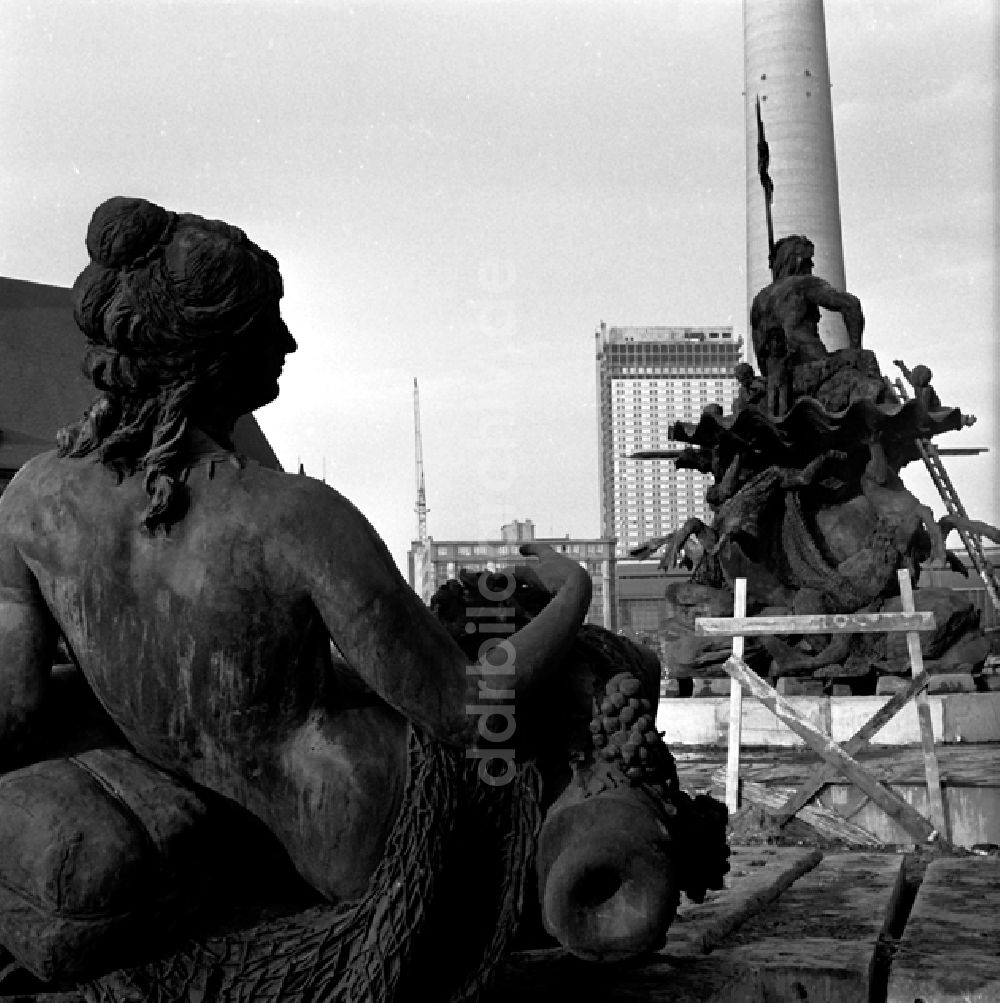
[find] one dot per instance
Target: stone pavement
(794, 924)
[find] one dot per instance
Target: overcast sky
(462, 191)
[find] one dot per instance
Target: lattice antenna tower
(421, 506)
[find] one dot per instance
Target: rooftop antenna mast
(421, 506)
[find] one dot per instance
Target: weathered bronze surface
(808, 503)
(253, 646)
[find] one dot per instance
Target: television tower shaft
(421, 506)
(787, 77)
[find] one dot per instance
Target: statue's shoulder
(812, 283)
(37, 465)
(774, 294)
(37, 485)
(44, 471)
(48, 489)
(793, 283)
(288, 485)
(298, 495)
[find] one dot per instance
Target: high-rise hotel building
(647, 379)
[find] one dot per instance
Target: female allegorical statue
(200, 595)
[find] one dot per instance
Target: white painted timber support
(735, 706)
(931, 770)
(837, 758)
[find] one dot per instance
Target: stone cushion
(97, 851)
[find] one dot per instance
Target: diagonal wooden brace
(824, 772)
(890, 802)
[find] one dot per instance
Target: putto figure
(752, 389)
(924, 393)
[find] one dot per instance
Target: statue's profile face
(251, 378)
(277, 344)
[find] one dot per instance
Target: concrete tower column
(785, 64)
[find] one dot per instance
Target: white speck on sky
(398, 157)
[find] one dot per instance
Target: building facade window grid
(647, 379)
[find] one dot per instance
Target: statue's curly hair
(163, 303)
(789, 253)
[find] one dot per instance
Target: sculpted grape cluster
(624, 734)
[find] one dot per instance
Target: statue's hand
(898, 362)
(553, 569)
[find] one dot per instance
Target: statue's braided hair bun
(162, 283)
(163, 303)
(125, 229)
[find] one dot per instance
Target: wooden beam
(890, 802)
(819, 941)
(757, 876)
(931, 769)
(827, 822)
(824, 772)
(818, 623)
(735, 707)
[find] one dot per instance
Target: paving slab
(62, 997)
(950, 948)
(818, 940)
(684, 971)
(817, 969)
(550, 976)
(790, 925)
(757, 876)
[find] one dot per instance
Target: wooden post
(837, 759)
(735, 707)
(931, 770)
(888, 800)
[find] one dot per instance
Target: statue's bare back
(208, 649)
(200, 595)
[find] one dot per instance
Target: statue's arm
(824, 295)
(904, 369)
(391, 639)
(28, 637)
(757, 336)
(975, 526)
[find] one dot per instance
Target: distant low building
(42, 385)
(432, 563)
(641, 586)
